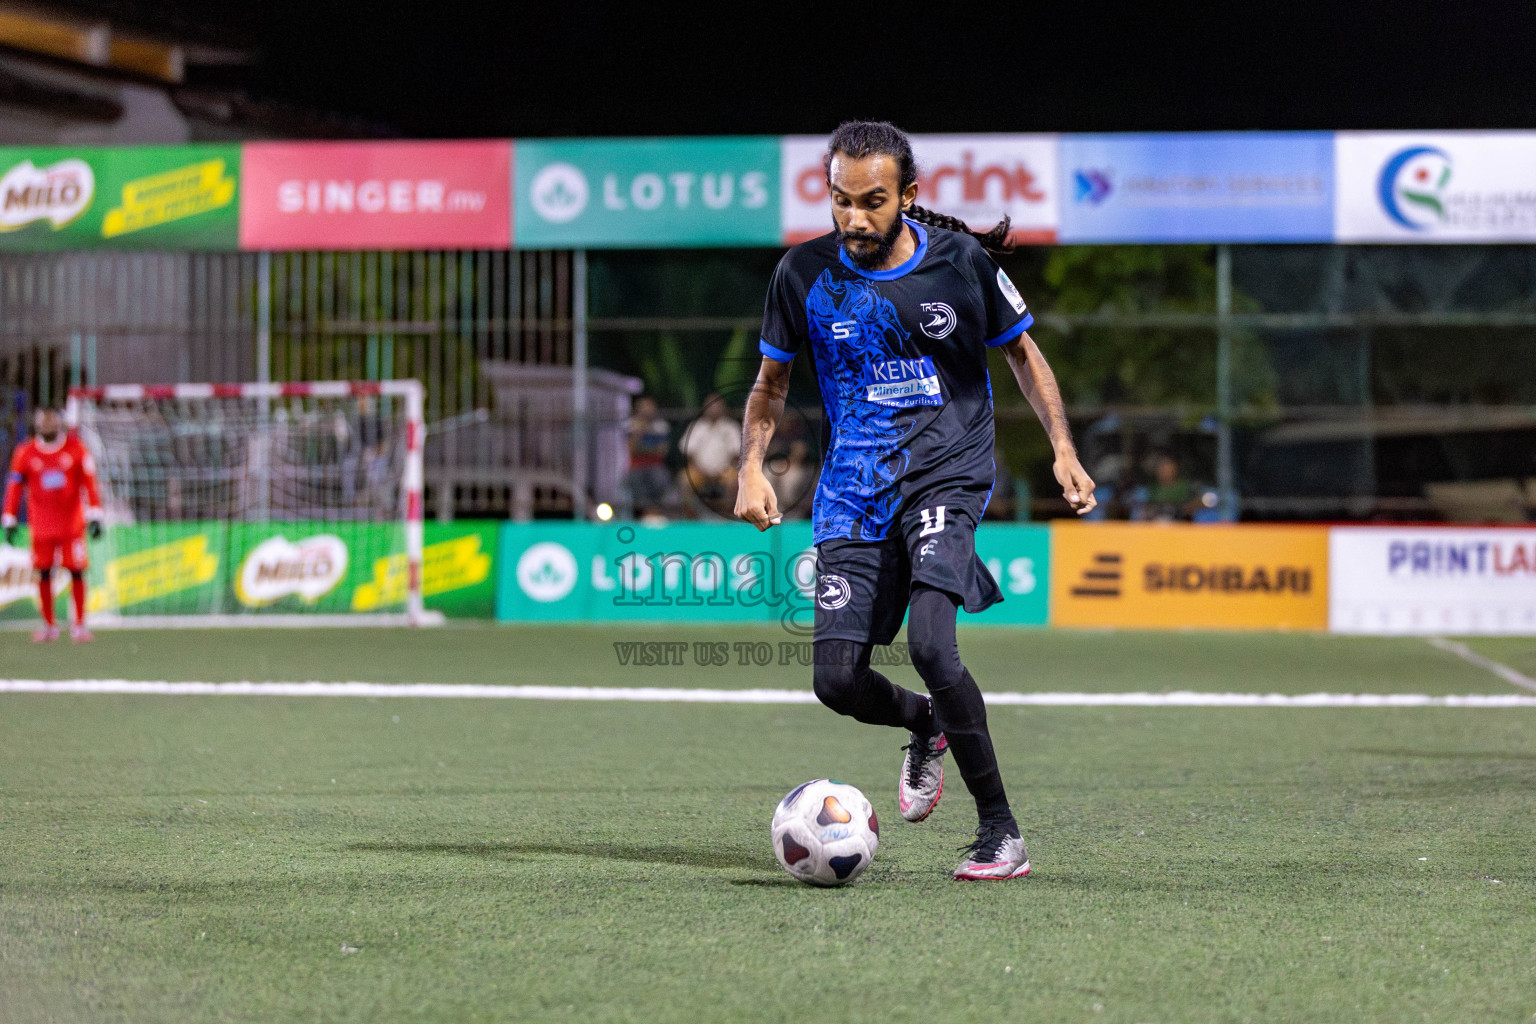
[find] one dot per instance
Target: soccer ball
(825, 833)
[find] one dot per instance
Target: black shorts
(863, 586)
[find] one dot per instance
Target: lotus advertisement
(648, 193)
(721, 572)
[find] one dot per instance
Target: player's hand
(10, 536)
(95, 529)
(1076, 484)
(755, 500)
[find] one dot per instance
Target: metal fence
(452, 320)
(1307, 382)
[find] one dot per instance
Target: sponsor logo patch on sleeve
(1010, 292)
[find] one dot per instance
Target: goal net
(288, 504)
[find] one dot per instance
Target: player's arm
(785, 330)
(12, 508)
(755, 499)
(1038, 384)
(92, 492)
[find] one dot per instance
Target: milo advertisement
(217, 568)
(456, 574)
(140, 197)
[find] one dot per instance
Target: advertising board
(647, 193)
(1197, 187)
(1184, 576)
(144, 197)
(201, 568)
(377, 195)
(578, 572)
(456, 577)
(977, 178)
(1420, 187)
(1432, 580)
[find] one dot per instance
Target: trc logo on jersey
(940, 321)
(832, 592)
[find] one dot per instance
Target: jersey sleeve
(1007, 316)
(88, 482)
(13, 482)
(784, 321)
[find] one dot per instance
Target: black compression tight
(845, 683)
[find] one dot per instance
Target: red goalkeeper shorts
(68, 552)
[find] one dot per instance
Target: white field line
(1180, 699)
(1471, 657)
(104, 621)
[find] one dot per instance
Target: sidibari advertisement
(580, 572)
(977, 178)
(1197, 187)
(377, 195)
(1432, 580)
(647, 193)
(1420, 187)
(145, 197)
(1184, 576)
(208, 568)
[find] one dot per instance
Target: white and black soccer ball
(825, 833)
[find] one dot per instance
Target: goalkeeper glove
(95, 528)
(10, 535)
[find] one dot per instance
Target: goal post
(257, 504)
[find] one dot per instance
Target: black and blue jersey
(901, 359)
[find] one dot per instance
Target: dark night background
(516, 69)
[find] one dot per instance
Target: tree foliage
(1151, 365)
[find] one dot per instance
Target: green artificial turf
(270, 859)
(1001, 659)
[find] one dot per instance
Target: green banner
(140, 197)
(456, 577)
(689, 572)
(645, 193)
(214, 568)
(1019, 555)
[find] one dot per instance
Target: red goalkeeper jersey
(56, 477)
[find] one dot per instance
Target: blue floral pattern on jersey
(852, 326)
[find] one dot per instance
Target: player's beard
(873, 258)
(48, 438)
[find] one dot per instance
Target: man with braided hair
(899, 305)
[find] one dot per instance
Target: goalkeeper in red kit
(60, 480)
